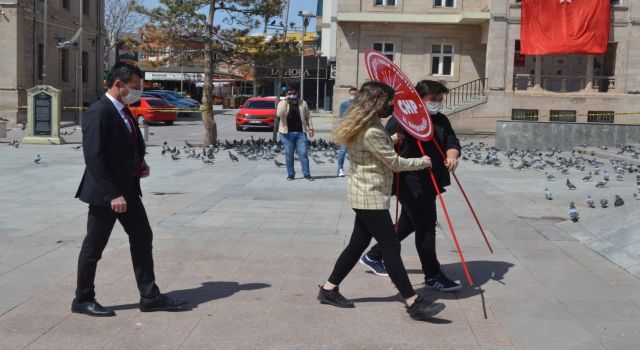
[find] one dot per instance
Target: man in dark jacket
(417, 193)
(114, 156)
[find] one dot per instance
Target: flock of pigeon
(564, 163)
(320, 151)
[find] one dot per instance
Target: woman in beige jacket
(373, 162)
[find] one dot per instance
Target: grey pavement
(247, 249)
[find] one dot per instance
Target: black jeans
(418, 214)
(99, 226)
(374, 224)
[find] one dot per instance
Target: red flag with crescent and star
(565, 27)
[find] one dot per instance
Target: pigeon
(51, 142)
(174, 156)
(588, 176)
(590, 202)
(277, 163)
(636, 196)
(186, 143)
(601, 184)
(16, 144)
(570, 185)
(164, 150)
(604, 203)
(605, 176)
(77, 147)
(233, 157)
(37, 160)
(618, 201)
(573, 212)
(619, 177)
(547, 194)
(550, 177)
(207, 160)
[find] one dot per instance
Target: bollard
(3, 129)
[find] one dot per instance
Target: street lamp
(306, 18)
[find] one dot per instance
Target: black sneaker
(422, 310)
(333, 297)
(442, 283)
(291, 177)
(308, 177)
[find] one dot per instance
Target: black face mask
(388, 111)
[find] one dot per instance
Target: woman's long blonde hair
(366, 110)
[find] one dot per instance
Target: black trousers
(418, 214)
(374, 224)
(99, 226)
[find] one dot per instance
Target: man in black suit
(114, 156)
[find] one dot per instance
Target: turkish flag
(564, 27)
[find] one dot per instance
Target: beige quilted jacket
(373, 162)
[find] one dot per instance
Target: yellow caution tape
(454, 116)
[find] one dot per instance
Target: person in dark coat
(417, 193)
(114, 156)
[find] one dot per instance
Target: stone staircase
(465, 96)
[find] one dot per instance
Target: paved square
(247, 249)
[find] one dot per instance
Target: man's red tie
(134, 141)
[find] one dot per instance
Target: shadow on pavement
(207, 292)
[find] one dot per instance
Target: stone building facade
(473, 45)
(24, 49)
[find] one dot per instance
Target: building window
(65, 4)
(40, 60)
(600, 116)
(444, 3)
(85, 67)
(86, 6)
(524, 114)
(562, 116)
(385, 2)
(64, 64)
(615, 2)
(386, 49)
(442, 59)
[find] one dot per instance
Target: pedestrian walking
(344, 106)
(417, 195)
(114, 153)
(373, 161)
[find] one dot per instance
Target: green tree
(180, 21)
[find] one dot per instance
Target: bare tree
(120, 18)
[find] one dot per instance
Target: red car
(153, 110)
(257, 112)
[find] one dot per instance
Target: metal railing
(465, 93)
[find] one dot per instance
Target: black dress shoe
(91, 308)
(162, 303)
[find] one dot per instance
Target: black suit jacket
(419, 182)
(108, 155)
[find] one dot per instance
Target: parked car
(182, 107)
(179, 96)
(153, 110)
(257, 112)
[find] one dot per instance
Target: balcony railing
(564, 83)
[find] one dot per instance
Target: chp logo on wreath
(409, 108)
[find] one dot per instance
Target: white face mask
(351, 97)
(132, 97)
(434, 107)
